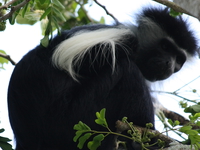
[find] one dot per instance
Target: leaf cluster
(193, 134)
(192, 128)
(143, 137)
(53, 15)
(85, 133)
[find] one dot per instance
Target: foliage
(53, 15)
(191, 129)
(193, 134)
(3, 60)
(4, 142)
(83, 128)
(61, 14)
(84, 133)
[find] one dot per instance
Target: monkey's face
(160, 61)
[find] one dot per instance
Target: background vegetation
(57, 15)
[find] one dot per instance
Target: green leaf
(4, 139)
(12, 18)
(47, 11)
(191, 132)
(195, 139)
(5, 146)
(2, 130)
(42, 4)
(58, 4)
(25, 9)
(183, 105)
(196, 108)
(58, 14)
(81, 13)
(101, 120)
(170, 122)
(4, 143)
(78, 134)
(176, 123)
(3, 60)
(185, 128)
(29, 18)
(55, 21)
(174, 13)
(83, 139)
(173, 124)
(102, 113)
(102, 20)
(44, 25)
(198, 123)
(81, 126)
(74, 6)
(192, 109)
(192, 135)
(195, 117)
(42, 1)
(45, 41)
(85, 1)
(93, 145)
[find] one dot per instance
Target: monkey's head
(165, 43)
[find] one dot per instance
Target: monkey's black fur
(53, 88)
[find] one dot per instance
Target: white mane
(72, 50)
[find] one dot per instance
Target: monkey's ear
(70, 53)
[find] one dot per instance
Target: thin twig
(175, 94)
(5, 6)
(82, 6)
(13, 9)
(8, 58)
(107, 12)
(186, 84)
(175, 7)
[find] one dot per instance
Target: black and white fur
(89, 68)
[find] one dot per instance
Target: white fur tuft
(71, 51)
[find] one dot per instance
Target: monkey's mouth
(157, 74)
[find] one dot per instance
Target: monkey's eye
(164, 46)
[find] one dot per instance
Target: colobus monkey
(92, 67)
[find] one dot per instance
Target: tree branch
(121, 126)
(8, 58)
(13, 9)
(107, 12)
(5, 6)
(175, 7)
